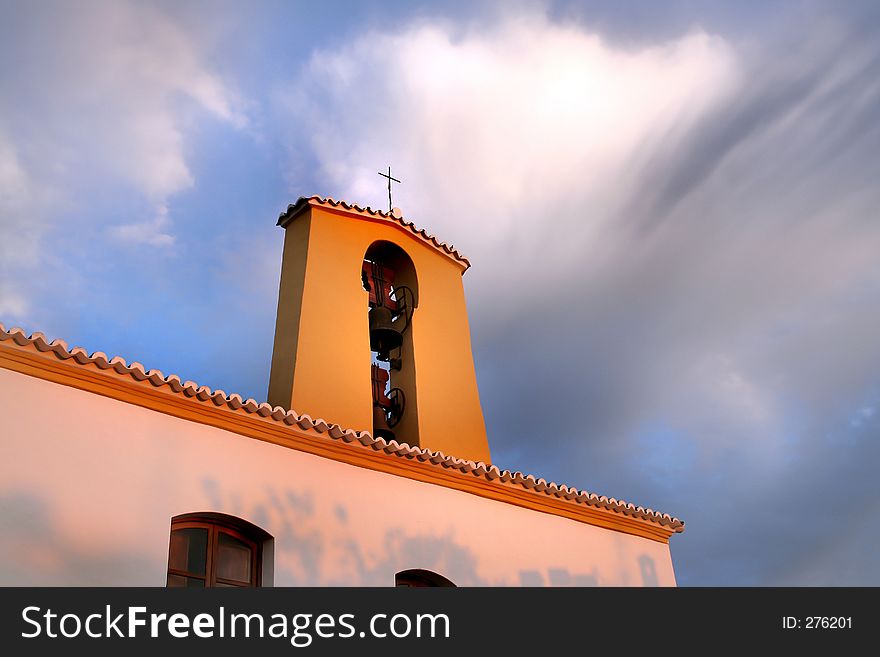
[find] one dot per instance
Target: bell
(384, 336)
(380, 425)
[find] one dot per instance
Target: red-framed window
(214, 550)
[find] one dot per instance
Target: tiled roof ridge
(394, 215)
(190, 389)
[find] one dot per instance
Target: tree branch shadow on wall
(558, 577)
(34, 553)
(304, 537)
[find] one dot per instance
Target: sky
(670, 208)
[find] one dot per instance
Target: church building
(367, 465)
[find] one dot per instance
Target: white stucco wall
(88, 487)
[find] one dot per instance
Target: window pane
(233, 559)
(191, 582)
(189, 548)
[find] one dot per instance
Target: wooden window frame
(215, 524)
(421, 578)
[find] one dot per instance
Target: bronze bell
(384, 335)
(380, 424)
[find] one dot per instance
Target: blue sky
(695, 183)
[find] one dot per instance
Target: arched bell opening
(389, 278)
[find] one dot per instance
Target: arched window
(213, 549)
(418, 578)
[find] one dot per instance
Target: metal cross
(388, 175)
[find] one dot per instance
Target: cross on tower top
(388, 175)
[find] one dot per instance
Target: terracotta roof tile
(205, 395)
(395, 216)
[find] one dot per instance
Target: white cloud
(13, 182)
(150, 233)
(494, 130)
(149, 76)
(16, 243)
(109, 106)
(15, 193)
(12, 304)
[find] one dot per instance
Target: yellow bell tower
(372, 329)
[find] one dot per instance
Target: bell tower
(372, 330)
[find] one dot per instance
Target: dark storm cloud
(722, 362)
